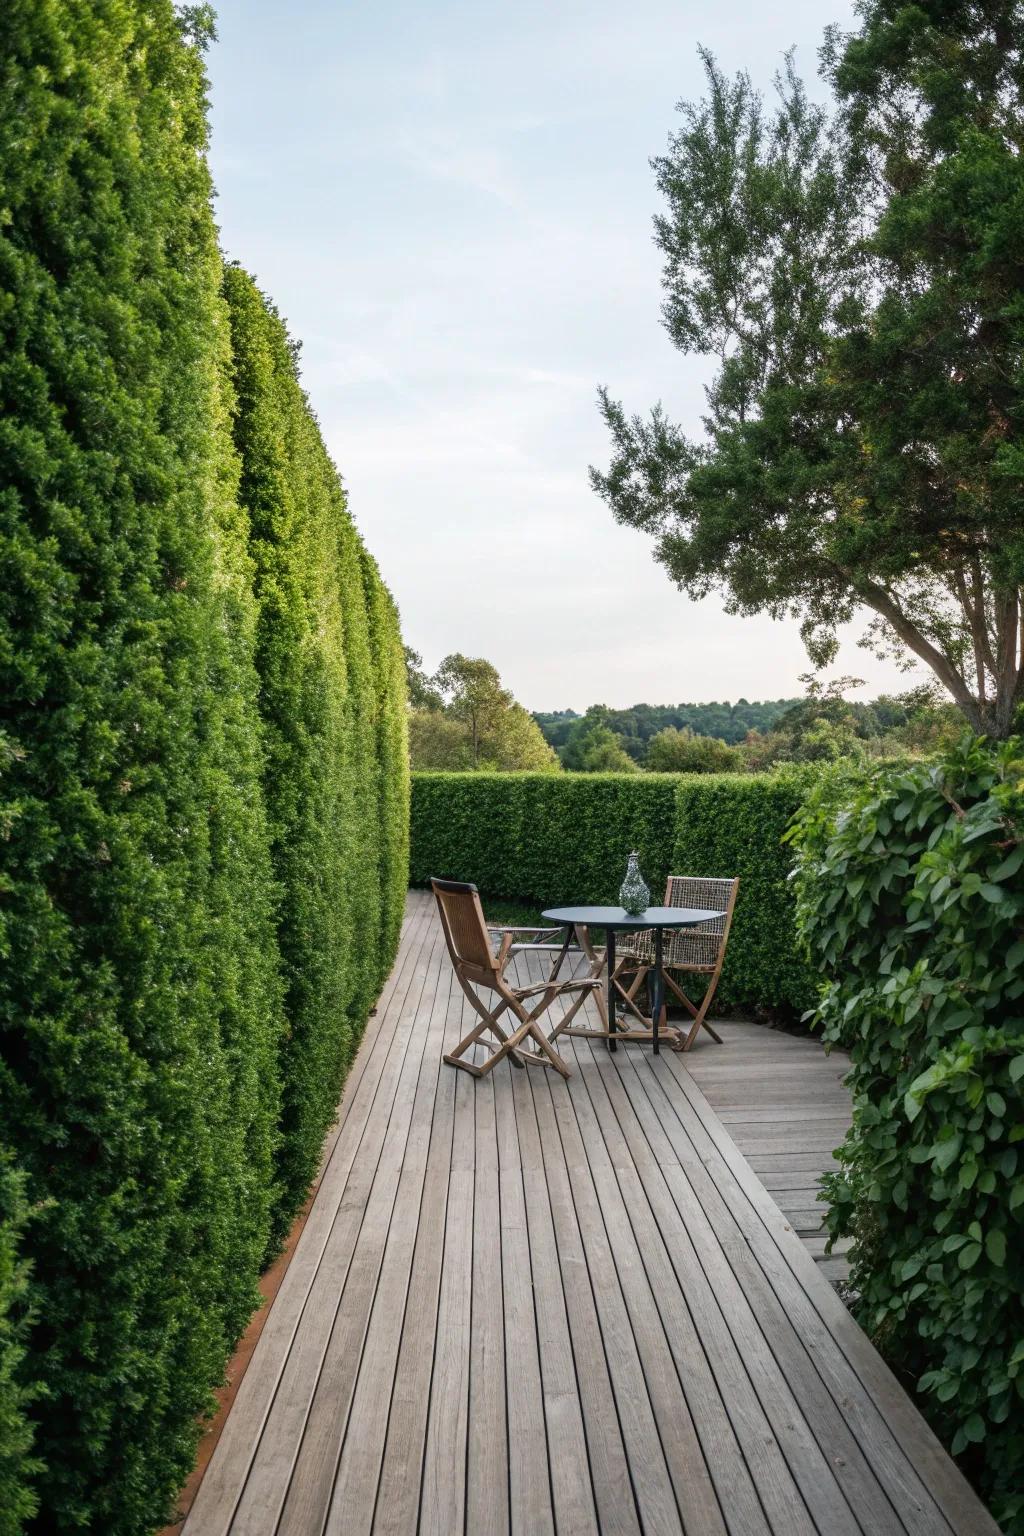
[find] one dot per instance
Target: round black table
(616, 919)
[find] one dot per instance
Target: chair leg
(628, 993)
(453, 1058)
(544, 1054)
(548, 1055)
(699, 1018)
(572, 1011)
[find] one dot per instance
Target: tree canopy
(673, 751)
(857, 275)
(462, 718)
(636, 725)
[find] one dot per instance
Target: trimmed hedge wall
(169, 974)
(555, 839)
(913, 904)
(325, 651)
(17, 1501)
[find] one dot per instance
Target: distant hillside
(636, 725)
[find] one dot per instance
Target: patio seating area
(529, 1304)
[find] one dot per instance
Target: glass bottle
(634, 895)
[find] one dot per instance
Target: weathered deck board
(525, 1305)
(783, 1103)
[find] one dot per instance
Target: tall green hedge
(556, 839)
(912, 901)
(17, 1501)
(139, 999)
(326, 643)
(156, 1000)
(391, 757)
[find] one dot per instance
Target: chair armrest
(517, 928)
(577, 984)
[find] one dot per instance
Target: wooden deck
(523, 1305)
(782, 1101)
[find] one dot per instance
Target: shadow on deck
(528, 1305)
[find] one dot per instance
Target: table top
(616, 917)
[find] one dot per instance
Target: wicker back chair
(700, 949)
(478, 965)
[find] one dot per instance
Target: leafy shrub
(551, 840)
(673, 751)
(912, 902)
(142, 919)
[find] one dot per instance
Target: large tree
(858, 276)
(462, 718)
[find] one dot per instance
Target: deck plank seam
(627, 1310)
(795, 1257)
(411, 1062)
(428, 1075)
(268, 1339)
(783, 1385)
(455, 1017)
(654, 1170)
(767, 1294)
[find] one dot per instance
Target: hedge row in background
(913, 904)
(550, 840)
(167, 977)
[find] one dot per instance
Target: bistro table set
(650, 948)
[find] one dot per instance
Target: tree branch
(882, 602)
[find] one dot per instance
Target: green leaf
(1010, 865)
(995, 1246)
(947, 1152)
(969, 1256)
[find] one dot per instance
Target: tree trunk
(991, 710)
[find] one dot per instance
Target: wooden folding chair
(478, 965)
(699, 950)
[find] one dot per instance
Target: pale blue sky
(451, 204)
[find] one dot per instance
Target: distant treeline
(636, 725)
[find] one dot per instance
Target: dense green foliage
(325, 655)
(731, 825)
(822, 727)
(856, 273)
(139, 999)
(592, 746)
(636, 725)
(673, 751)
(912, 902)
(145, 722)
(463, 718)
(17, 1502)
(391, 757)
(548, 840)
